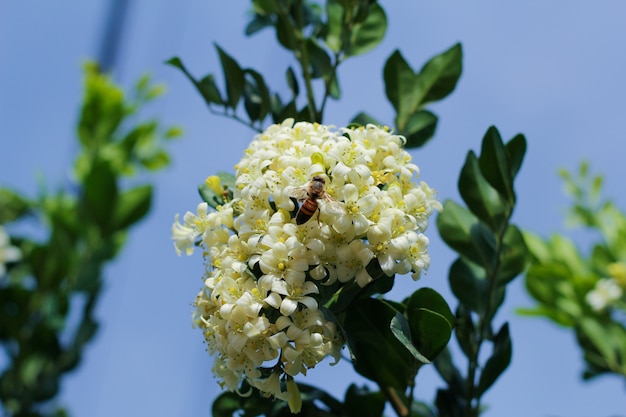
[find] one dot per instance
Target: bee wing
(299, 193)
(332, 206)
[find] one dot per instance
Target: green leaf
(103, 109)
(285, 33)
(363, 119)
(319, 61)
(481, 198)
(379, 355)
(462, 231)
(367, 34)
(233, 76)
(206, 87)
(465, 331)
(438, 77)
(420, 128)
(257, 96)
(513, 257)
(430, 321)
(450, 373)
(226, 404)
(100, 193)
(361, 402)
(265, 7)
(399, 87)
(132, 206)
(292, 82)
(334, 25)
(400, 329)
(258, 23)
(494, 165)
(515, 150)
(209, 91)
(499, 360)
(469, 285)
(155, 161)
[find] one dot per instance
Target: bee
(309, 195)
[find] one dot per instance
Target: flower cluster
(608, 291)
(312, 206)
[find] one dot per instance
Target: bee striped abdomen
(306, 211)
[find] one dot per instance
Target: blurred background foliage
(585, 290)
(50, 289)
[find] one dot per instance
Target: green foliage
(388, 341)
(562, 280)
(409, 91)
(86, 226)
(321, 39)
(491, 253)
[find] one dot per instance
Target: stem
(236, 118)
(394, 399)
(484, 322)
(302, 55)
(329, 82)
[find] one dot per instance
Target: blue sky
(553, 70)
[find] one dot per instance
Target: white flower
(260, 309)
(604, 294)
(8, 253)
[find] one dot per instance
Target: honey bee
(309, 195)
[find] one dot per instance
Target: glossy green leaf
(285, 33)
(469, 285)
(420, 128)
(379, 355)
(494, 165)
(481, 198)
(515, 150)
(400, 329)
(462, 231)
(319, 61)
(256, 96)
(430, 321)
(499, 360)
(367, 34)
(206, 87)
(131, 206)
(361, 402)
(233, 76)
(209, 91)
(513, 257)
(292, 82)
(438, 77)
(399, 87)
